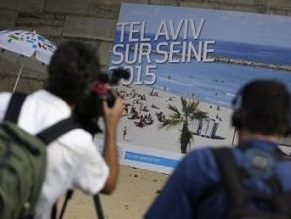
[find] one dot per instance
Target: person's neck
(245, 135)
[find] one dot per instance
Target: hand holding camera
(90, 108)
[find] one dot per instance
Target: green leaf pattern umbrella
(27, 48)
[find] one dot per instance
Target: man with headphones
(254, 175)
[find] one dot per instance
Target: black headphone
(236, 120)
(288, 130)
(237, 114)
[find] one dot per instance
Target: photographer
(72, 160)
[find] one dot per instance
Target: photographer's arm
(111, 118)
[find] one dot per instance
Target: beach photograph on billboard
(186, 66)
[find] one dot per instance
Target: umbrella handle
(18, 77)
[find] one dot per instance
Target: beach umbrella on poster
(27, 48)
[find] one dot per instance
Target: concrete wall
(94, 21)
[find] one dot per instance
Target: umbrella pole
(18, 77)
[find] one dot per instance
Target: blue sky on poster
(231, 26)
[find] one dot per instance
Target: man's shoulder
(48, 104)
(42, 94)
(205, 152)
(4, 100)
(204, 157)
(200, 156)
(5, 94)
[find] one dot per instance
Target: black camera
(90, 108)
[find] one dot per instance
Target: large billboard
(195, 59)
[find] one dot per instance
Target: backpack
(259, 164)
(23, 161)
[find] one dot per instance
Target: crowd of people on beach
(134, 108)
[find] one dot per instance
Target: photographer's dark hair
(263, 106)
(72, 69)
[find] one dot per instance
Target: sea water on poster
(243, 36)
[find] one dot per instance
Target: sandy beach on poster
(152, 148)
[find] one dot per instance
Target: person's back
(72, 160)
(194, 190)
(66, 155)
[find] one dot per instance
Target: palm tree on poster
(188, 113)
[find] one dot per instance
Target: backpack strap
(14, 107)
(229, 177)
(53, 132)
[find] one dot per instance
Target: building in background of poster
(186, 65)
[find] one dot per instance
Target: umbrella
(27, 48)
